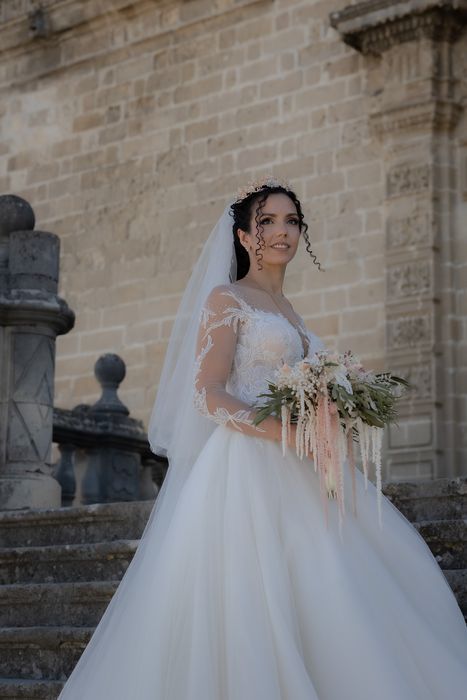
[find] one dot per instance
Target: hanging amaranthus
(334, 401)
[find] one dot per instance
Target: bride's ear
(244, 238)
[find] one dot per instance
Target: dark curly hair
(241, 213)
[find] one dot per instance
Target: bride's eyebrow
(291, 213)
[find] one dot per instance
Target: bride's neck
(269, 281)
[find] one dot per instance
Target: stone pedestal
(416, 106)
(31, 316)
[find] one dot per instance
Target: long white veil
(176, 429)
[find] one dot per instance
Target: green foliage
(373, 401)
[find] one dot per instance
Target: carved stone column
(415, 109)
(31, 316)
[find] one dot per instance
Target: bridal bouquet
(333, 401)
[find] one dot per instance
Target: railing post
(114, 463)
(65, 473)
(31, 316)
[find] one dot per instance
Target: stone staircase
(59, 569)
(438, 509)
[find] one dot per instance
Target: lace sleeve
(217, 337)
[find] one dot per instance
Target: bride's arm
(217, 337)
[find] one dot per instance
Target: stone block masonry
(129, 126)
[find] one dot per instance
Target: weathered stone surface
(95, 523)
(415, 41)
(406, 232)
(438, 499)
(447, 540)
(407, 178)
(41, 653)
(16, 214)
(22, 689)
(31, 315)
(112, 445)
(374, 26)
(34, 260)
(67, 562)
(457, 579)
(407, 279)
(79, 604)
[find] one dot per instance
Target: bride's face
(279, 226)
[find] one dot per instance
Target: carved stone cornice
(374, 26)
(434, 115)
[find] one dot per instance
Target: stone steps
(439, 499)
(95, 523)
(66, 562)
(41, 653)
(457, 579)
(23, 689)
(60, 567)
(80, 604)
(447, 539)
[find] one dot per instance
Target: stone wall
(128, 124)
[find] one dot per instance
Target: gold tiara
(257, 185)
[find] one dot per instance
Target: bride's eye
(291, 221)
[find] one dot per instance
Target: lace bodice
(239, 347)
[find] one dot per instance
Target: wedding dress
(248, 594)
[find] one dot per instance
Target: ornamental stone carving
(409, 332)
(413, 278)
(412, 230)
(420, 377)
(416, 98)
(407, 178)
(426, 116)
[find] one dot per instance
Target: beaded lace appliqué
(265, 340)
(231, 315)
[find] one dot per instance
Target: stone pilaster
(31, 316)
(411, 78)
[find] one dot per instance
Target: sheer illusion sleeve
(215, 349)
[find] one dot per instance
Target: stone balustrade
(105, 455)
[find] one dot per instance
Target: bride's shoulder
(226, 300)
(225, 294)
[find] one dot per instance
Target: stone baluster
(114, 462)
(31, 316)
(65, 473)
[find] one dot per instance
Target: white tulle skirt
(249, 596)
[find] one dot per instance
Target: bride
(239, 590)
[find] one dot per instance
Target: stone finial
(16, 214)
(110, 371)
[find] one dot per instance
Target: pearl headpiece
(257, 185)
